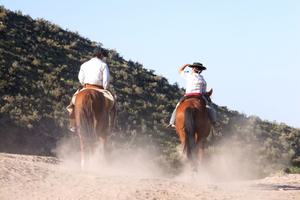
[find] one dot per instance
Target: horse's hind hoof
(195, 169)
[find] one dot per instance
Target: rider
(93, 72)
(195, 86)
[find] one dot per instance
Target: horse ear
(209, 93)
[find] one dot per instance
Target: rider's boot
(72, 122)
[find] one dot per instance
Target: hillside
(39, 62)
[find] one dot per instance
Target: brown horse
(92, 121)
(193, 127)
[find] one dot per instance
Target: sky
(251, 48)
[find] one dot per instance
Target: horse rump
(87, 115)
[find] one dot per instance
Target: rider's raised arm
(182, 72)
(181, 69)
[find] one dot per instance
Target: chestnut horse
(193, 127)
(92, 121)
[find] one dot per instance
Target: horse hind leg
(102, 144)
(194, 161)
(86, 152)
(82, 153)
(200, 152)
(105, 148)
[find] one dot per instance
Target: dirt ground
(36, 177)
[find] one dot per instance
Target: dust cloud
(226, 160)
(133, 172)
(123, 160)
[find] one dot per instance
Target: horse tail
(87, 119)
(189, 129)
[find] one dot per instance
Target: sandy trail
(36, 177)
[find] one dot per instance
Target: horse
(193, 127)
(92, 110)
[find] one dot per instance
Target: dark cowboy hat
(198, 66)
(100, 51)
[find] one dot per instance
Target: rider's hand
(183, 67)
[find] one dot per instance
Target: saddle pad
(106, 94)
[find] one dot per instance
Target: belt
(193, 94)
(87, 85)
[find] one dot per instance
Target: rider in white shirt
(195, 86)
(93, 72)
(195, 83)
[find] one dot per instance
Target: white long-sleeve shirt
(195, 83)
(95, 72)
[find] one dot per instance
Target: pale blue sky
(250, 47)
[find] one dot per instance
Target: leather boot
(72, 125)
(72, 122)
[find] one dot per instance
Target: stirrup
(171, 126)
(72, 129)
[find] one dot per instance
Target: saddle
(206, 96)
(107, 94)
